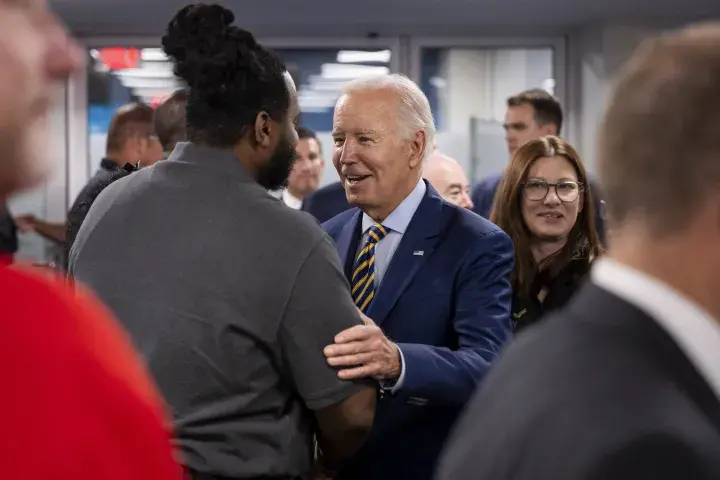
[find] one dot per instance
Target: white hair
(414, 112)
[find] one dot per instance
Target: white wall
(79, 167)
(595, 54)
(330, 175)
(67, 148)
(480, 80)
(477, 83)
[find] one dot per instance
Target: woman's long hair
(507, 214)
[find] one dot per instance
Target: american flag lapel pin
(419, 253)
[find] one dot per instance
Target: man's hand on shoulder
(364, 351)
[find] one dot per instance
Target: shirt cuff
(394, 386)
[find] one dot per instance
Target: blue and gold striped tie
(363, 278)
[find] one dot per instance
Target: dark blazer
(327, 202)
(109, 172)
(598, 391)
(445, 299)
(560, 289)
(483, 194)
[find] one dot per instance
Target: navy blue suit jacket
(327, 202)
(483, 194)
(445, 300)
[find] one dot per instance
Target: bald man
(447, 177)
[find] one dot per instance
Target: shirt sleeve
(395, 385)
(320, 307)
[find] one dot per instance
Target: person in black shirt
(169, 124)
(8, 235)
(76, 215)
(545, 205)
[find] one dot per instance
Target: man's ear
(263, 129)
(549, 129)
(137, 146)
(417, 149)
(144, 144)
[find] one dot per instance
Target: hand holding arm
(364, 351)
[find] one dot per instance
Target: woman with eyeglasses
(546, 207)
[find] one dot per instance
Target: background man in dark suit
(447, 176)
(326, 202)
(307, 170)
(432, 276)
(625, 384)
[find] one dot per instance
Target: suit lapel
(347, 242)
(416, 246)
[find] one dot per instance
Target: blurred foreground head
(659, 162)
(447, 176)
(35, 53)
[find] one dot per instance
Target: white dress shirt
(291, 201)
(396, 224)
(694, 330)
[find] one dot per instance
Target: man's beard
(274, 174)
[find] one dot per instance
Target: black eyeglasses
(567, 191)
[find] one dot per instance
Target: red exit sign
(118, 58)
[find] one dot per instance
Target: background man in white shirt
(307, 171)
(626, 382)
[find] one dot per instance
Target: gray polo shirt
(230, 296)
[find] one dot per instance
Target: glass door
(468, 81)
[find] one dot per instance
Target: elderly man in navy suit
(431, 278)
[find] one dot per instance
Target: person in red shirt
(77, 402)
